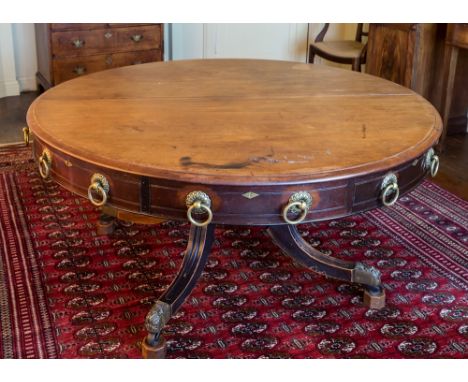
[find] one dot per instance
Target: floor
(453, 172)
(13, 117)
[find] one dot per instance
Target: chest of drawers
(66, 51)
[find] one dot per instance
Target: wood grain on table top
(236, 121)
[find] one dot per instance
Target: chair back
(360, 32)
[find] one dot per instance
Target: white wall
(187, 41)
(270, 41)
(18, 62)
(263, 41)
(9, 86)
(278, 41)
(24, 41)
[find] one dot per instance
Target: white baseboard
(27, 83)
(9, 88)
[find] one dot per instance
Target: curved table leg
(195, 257)
(288, 238)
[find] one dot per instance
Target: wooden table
(235, 142)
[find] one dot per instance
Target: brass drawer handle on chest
(198, 202)
(108, 35)
(45, 160)
(298, 203)
(79, 70)
(78, 43)
(390, 190)
(100, 185)
(137, 37)
(109, 60)
(432, 162)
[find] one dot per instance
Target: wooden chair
(351, 52)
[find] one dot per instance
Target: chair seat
(342, 49)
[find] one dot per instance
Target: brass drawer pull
(26, 135)
(299, 202)
(100, 185)
(79, 70)
(108, 35)
(198, 202)
(390, 190)
(109, 60)
(432, 162)
(78, 43)
(45, 160)
(137, 37)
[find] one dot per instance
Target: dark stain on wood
(187, 162)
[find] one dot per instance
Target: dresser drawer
(68, 68)
(87, 26)
(99, 41)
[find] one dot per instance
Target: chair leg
(311, 56)
(356, 65)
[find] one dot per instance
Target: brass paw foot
(156, 351)
(105, 225)
(366, 275)
(374, 297)
(154, 344)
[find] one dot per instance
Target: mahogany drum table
(248, 142)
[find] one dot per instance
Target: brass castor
(374, 297)
(157, 351)
(105, 225)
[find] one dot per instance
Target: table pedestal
(286, 237)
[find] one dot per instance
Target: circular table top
(236, 121)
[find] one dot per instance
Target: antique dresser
(66, 51)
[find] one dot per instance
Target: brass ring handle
(199, 206)
(96, 186)
(26, 135)
(388, 190)
(301, 205)
(434, 165)
(100, 185)
(44, 164)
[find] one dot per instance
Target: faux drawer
(231, 204)
(99, 41)
(68, 68)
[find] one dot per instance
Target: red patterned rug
(67, 293)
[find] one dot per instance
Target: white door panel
(267, 41)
